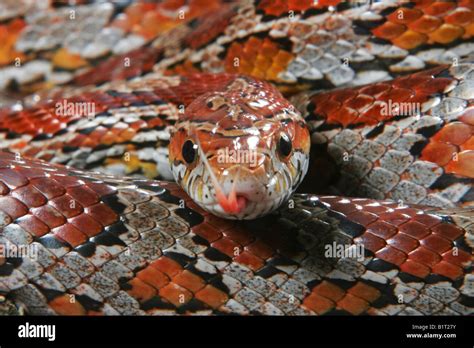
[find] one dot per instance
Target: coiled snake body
(106, 243)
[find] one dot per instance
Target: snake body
(109, 244)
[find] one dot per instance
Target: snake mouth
(233, 203)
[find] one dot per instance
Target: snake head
(241, 151)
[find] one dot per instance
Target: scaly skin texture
(298, 45)
(408, 139)
(131, 246)
(136, 246)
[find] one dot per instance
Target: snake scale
(382, 223)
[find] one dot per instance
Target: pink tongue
(241, 203)
(232, 205)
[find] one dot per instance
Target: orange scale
(425, 24)
(109, 138)
(455, 133)
(370, 242)
(283, 58)
(327, 107)
(439, 153)
(91, 143)
(353, 304)
(468, 145)
(391, 255)
(344, 116)
(436, 243)
(423, 3)
(468, 31)
(360, 101)
(77, 140)
(135, 12)
(67, 206)
(414, 268)
(404, 15)
(361, 217)
(419, 97)
(167, 266)
(436, 85)
(459, 258)
(140, 290)
(98, 133)
(403, 242)
(29, 196)
(410, 39)
(329, 291)
(86, 225)
(374, 112)
(446, 33)
(33, 225)
(102, 213)
(398, 95)
(227, 246)
(153, 277)
(268, 49)
(70, 235)
(389, 30)
(303, 5)
(189, 280)
(461, 16)
(464, 165)
(365, 292)
(155, 122)
(272, 73)
(63, 305)
(24, 127)
(52, 128)
(439, 8)
(424, 256)
(375, 90)
(101, 189)
(127, 134)
(318, 304)
(263, 62)
(343, 95)
(259, 74)
(64, 59)
(212, 296)
(448, 270)
(176, 294)
(253, 262)
(254, 44)
(319, 98)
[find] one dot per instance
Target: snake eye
(284, 145)
(189, 151)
